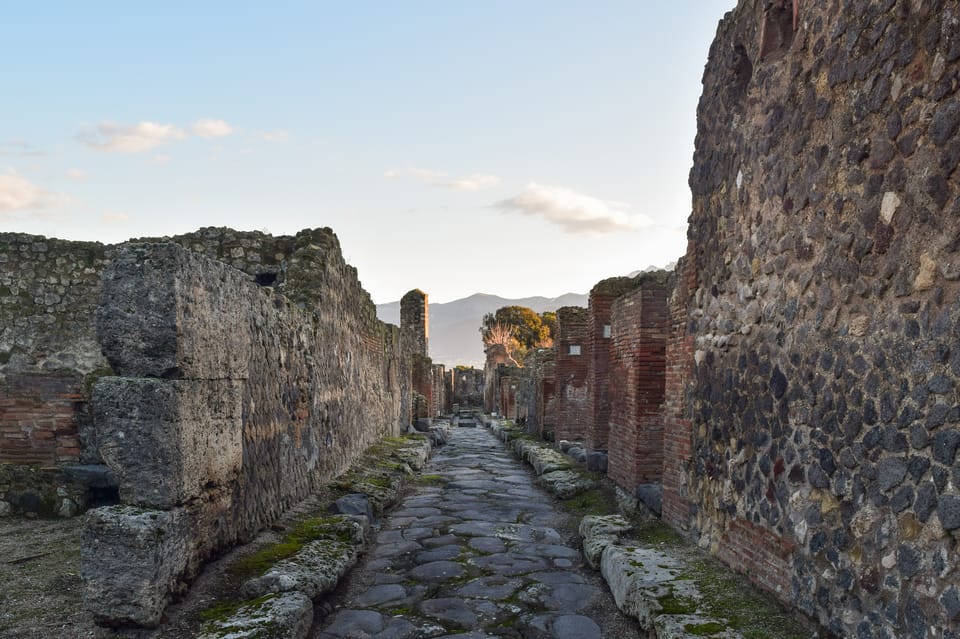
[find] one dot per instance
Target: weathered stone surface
(318, 566)
(597, 532)
(132, 560)
(169, 441)
(691, 627)
(287, 615)
(353, 504)
(638, 578)
(565, 483)
(824, 238)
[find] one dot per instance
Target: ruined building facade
(252, 368)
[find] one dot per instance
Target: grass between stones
(380, 472)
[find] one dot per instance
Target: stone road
(475, 551)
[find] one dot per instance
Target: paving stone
(495, 587)
(478, 557)
(487, 544)
(509, 563)
(440, 554)
(437, 571)
(450, 610)
(381, 594)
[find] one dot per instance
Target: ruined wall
(415, 323)
(824, 309)
(467, 386)
(230, 404)
(439, 383)
(573, 352)
(536, 396)
(48, 361)
(637, 374)
(600, 332)
(496, 354)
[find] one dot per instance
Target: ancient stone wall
(231, 403)
(414, 323)
(820, 293)
(496, 355)
(48, 361)
(467, 386)
(637, 374)
(600, 333)
(573, 359)
(440, 405)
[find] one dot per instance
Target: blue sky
(515, 148)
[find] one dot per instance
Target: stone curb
(641, 580)
(555, 472)
(648, 584)
(279, 603)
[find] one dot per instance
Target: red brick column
(573, 348)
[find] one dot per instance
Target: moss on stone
(330, 527)
(657, 533)
(674, 604)
(707, 629)
(596, 501)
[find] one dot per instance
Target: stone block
(168, 312)
(651, 496)
(169, 441)
(288, 615)
(597, 461)
(131, 563)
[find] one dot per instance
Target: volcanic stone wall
(573, 417)
(230, 404)
(821, 292)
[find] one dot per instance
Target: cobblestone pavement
(475, 551)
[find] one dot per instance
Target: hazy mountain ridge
(455, 326)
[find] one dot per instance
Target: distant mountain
(667, 267)
(455, 326)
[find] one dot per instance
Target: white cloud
(572, 211)
(20, 148)
(161, 158)
(208, 128)
(137, 138)
(19, 194)
(275, 136)
(110, 217)
(76, 174)
(472, 182)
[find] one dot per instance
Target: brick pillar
(573, 349)
(640, 325)
(600, 330)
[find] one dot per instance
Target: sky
(510, 147)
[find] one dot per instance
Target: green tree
(518, 328)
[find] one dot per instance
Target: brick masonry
(600, 332)
(573, 417)
(637, 355)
